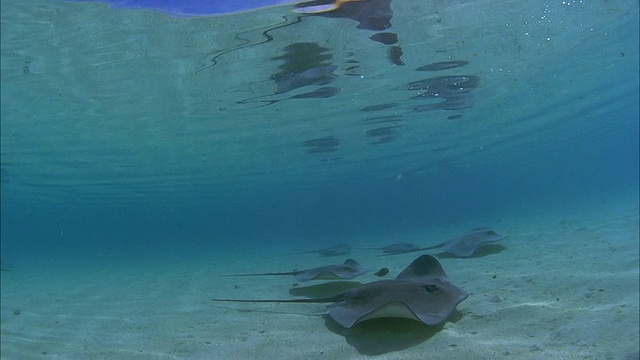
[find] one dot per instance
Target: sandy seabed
(563, 285)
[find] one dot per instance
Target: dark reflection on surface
(322, 145)
(247, 41)
(370, 14)
(395, 55)
(333, 159)
(449, 92)
(379, 107)
(449, 103)
(382, 131)
(385, 38)
(384, 134)
(382, 119)
(323, 92)
(443, 65)
(373, 15)
(452, 92)
(304, 64)
(444, 85)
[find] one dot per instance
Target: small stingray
(399, 248)
(346, 271)
(337, 250)
(421, 292)
(467, 244)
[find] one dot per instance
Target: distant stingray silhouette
(421, 292)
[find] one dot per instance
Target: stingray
(399, 248)
(348, 270)
(464, 246)
(337, 250)
(421, 292)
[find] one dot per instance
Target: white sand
(564, 287)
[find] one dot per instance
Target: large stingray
(421, 292)
(465, 245)
(336, 250)
(348, 270)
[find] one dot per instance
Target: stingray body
(464, 246)
(467, 244)
(348, 270)
(420, 292)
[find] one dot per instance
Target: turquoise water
(128, 132)
(116, 124)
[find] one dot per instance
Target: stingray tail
(318, 300)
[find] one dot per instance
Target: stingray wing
(349, 270)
